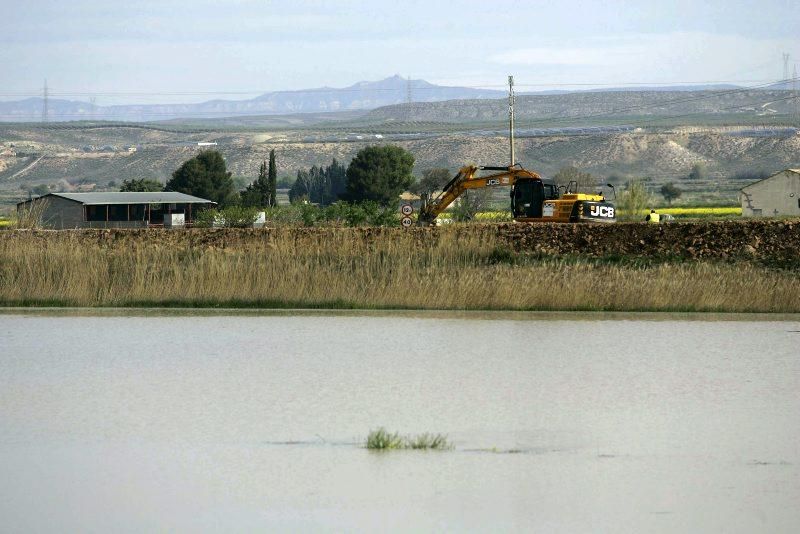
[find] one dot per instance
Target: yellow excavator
(533, 198)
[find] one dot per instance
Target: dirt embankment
(771, 241)
(758, 240)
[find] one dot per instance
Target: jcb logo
(493, 181)
(602, 211)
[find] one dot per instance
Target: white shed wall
(776, 196)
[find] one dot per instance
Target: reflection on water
(215, 420)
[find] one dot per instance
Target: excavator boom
(467, 179)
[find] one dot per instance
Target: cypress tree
(257, 193)
(272, 180)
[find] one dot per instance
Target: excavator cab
(528, 196)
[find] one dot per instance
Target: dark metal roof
(163, 197)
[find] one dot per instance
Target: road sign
(407, 209)
(406, 222)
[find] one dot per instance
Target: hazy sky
(141, 51)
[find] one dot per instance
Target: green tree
(634, 200)
(336, 177)
(272, 180)
(432, 180)
(240, 183)
(301, 188)
(285, 182)
(141, 185)
(320, 185)
(379, 173)
(205, 176)
(698, 172)
(40, 190)
(257, 194)
(670, 192)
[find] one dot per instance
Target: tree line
(376, 174)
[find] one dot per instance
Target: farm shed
(112, 210)
(775, 196)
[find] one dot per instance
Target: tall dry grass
(32, 214)
(389, 271)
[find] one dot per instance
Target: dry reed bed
(454, 270)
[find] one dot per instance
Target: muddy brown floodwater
(175, 421)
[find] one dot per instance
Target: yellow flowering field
(724, 210)
(707, 211)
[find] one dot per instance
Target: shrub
(337, 214)
(230, 217)
(310, 214)
(238, 216)
(206, 218)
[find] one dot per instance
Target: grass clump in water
(429, 441)
(381, 439)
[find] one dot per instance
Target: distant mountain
(360, 96)
(394, 92)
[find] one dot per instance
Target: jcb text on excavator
(533, 198)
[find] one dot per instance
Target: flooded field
(158, 420)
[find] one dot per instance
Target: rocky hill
(56, 157)
(551, 109)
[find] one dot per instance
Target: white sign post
(406, 222)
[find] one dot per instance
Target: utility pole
(785, 68)
(44, 102)
(511, 117)
(794, 96)
(409, 98)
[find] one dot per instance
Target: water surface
(168, 420)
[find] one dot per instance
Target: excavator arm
(467, 178)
